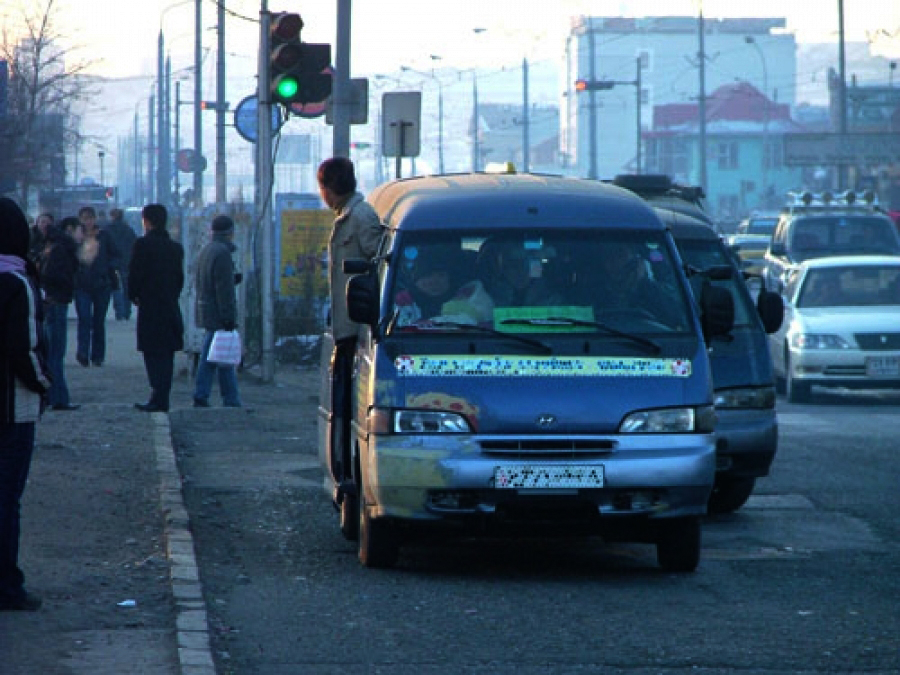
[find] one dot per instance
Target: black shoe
(200, 403)
(24, 603)
(83, 360)
(150, 407)
(67, 406)
(97, 364)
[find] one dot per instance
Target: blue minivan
(531, 355)
(743, 377)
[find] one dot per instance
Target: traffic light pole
(264, 175)
(340, 95)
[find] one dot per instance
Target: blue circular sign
(247, 123)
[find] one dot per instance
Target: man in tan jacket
(356, 234)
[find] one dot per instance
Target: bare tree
(45, 81)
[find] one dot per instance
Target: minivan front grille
(877, 341)
(549, 447)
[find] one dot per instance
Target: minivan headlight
(746, 397)
(670, 421)
(403, 421)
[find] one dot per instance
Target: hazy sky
(122, 34)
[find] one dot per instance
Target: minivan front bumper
(438, 477)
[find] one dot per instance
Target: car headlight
(818, 341)
(746, 397)
(402, 421)
(670, 421)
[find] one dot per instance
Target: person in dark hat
(155, 280)
(216, 309)
(24, 383)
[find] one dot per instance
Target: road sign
(830, 149)
(401, 123)
(188, 161)
(246, 121)
(359, 102)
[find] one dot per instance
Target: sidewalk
(105, 537)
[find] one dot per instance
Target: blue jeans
(227, 378)
(91, 307)
(121, 303)
(56, 317)
(16, 447)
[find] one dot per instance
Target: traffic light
(285, 55)
(298, 71)
(593, 85)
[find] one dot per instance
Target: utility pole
(177, 143)
(162, 150)
(340, 95)
(476, 150)
(198, 99)
(526, 141)
(592, 111)
(842, 65)
(221, 174)
(264, 175)
(151, 149)
(702, 101)
(638, 101)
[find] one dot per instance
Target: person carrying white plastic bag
(216, 311)
(225, 348)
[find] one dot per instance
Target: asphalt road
(804, 579)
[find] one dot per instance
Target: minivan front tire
(678, 544)
(378, 544)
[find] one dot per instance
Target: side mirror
(362, 299)
(357, 266)
(771, 310)
(717, 311)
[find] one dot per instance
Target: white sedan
(841, 326)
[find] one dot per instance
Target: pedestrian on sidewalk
(216, 309)
(24, 383)
(123, 237)
(155, 280)
(58, 267)
(94, 281)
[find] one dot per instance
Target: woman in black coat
(155, 281)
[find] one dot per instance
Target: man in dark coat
(123, 237)
(155, 281)
(216, 309)
(58, 267)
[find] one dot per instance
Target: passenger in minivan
(513, 277)
(616, 278)
(424, 285)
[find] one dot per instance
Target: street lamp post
(476, 126)
(767, 151)
(101, 155)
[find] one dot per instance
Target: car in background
(750, 250)
(762, 225)
(815, 226)
(841, 327)
(743, 379)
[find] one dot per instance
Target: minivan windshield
(536, 281)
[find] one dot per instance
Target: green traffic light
(288, 87)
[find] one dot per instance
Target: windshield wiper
(535, 344)
(648, 344)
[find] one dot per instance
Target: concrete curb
(191, 623)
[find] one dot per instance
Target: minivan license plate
(548, 476)
(883, 366)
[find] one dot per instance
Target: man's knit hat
(222, 224)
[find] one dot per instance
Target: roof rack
(805, 200)
(658, 185)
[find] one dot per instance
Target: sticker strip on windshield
(524, 366)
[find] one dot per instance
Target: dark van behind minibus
(743, 379)
(531, 358)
